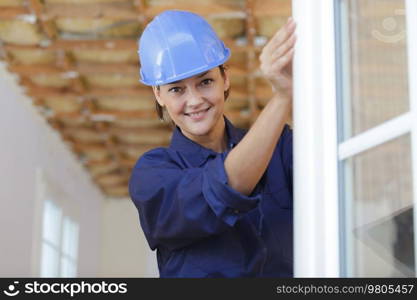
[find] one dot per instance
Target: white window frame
(59, 247)
(316, 222)
(43, 194)
(317, 154)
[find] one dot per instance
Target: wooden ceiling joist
(275, 8)
(11, 13)
(47, 26)
(213, 9)
(80, 44)
(91, 11)
(28, 70)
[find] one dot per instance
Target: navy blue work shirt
(202, 227)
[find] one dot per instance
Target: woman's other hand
(276, 59)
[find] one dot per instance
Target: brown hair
(160, 109)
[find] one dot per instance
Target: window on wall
(375, 142)
(59, 242)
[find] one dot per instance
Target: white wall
(125, 250)
(27, 144)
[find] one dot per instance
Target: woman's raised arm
(247, 162)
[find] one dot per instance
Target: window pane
(52, 215)
(49, 261)
(70, 238)
(68, 268)
(379, 211)
(375, 84)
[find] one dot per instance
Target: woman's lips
(199, 115)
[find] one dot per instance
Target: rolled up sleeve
(226, 203)
(179, 205)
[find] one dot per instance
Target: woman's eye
(175, 89)
(207, 81)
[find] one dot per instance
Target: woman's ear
(226, 81)
(157, 92)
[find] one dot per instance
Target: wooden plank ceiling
(77, 60)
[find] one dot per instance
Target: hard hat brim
(188, 74)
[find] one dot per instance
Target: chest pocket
(277, 186)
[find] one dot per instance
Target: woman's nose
(194, 97)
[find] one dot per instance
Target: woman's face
(195, 104)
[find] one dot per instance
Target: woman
(218, 201)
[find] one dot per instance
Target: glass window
(374, 63)
(69, 248)
(59, 243)
(379, 211)
(49, 260)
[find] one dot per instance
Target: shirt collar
(196, 153)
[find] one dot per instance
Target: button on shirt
(202, 227)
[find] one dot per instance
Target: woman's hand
(276, 59)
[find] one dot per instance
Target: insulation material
(32, 56)
(237, 94)
(202, 7)
(116, 191)
(111, 179)
(100, 169)
(238, 58)
(237, 71)
(11, 3)
(124, 104)
(276, 8)
(105, 56)
(84, 1)
(238, 118)
(19, 32)
(268, 25)
(238, 82)
(134, 152)
(85, 135)
(237, 4)
(73, 122)
(161, 138)
(103, 27)
(64, 104)
(51, 80)
(236, 104)
(95, 154)
(112, 80)
(228, 27)
(138, 123)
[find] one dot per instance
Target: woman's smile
(198, 115)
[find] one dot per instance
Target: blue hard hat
(177, 45)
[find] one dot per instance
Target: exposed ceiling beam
(103, 10)
(80, 44)
(11, 13)
(47, 26)
(28, 70)
(272, 8)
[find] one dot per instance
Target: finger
(283, 34)
(289, 43)
(290, 21)
(282, 62)
(270, 49)
(269, 64)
